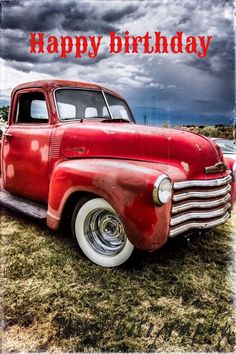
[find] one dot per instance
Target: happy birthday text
(156, 43)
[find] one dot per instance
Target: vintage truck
(72, 150)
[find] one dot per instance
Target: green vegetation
(176, 299)
(217, 131)
(4, 113)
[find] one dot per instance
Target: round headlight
(162, 190)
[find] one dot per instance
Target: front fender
(126, 185)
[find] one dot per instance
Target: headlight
(234, 171)
(162, 190)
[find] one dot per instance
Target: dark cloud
(63, 18)
(182, 86)
(25, 61)
(221, 57)
(88, 25)
(15, 47)
(29, 17)
(116, 14)
(48, 15)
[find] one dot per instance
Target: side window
(31, 108)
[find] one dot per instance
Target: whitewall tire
(100, 233)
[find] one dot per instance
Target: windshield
(87, 104)
(227, 146)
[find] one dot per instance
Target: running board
(24, 206)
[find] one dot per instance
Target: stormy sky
(166, 88)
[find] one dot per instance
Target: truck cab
(73, 149)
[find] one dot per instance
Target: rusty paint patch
(81, 150)
(217, 168)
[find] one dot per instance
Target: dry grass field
(176, 299)
(219, 131)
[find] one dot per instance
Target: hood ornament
(218, 167)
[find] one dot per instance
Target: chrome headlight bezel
(162, 193)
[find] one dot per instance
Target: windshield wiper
(73, 119)
(116, 120)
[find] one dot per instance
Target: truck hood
(188, 151)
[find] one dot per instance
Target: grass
(176, 299)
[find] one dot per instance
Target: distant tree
(4, 113)
(166, 125)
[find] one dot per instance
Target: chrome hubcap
(104, 232)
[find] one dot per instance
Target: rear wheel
(100, 233)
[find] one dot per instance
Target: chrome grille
(199, 204)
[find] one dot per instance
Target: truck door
(26, 146)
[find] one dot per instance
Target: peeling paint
(107, 131)
(34, 145)
(10, 171)
(6, 150)
(44, 153)
(185, 166)
(199, 148)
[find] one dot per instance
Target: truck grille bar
(203, 183)
(202, 194)
(199, 204)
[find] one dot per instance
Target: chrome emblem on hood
(218, 167)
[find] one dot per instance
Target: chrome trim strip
(203, 183)
(200, 204)
(106, 103)
(202, 194)
(199, 215)
(198, 225)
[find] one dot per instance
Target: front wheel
(100, 233)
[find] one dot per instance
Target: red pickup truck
(73, 150)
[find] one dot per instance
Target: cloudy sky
(174, 88)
